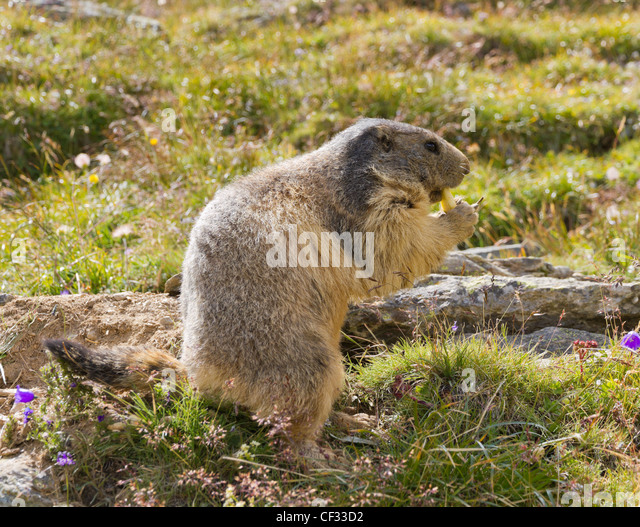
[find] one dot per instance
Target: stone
(461, 263)
(23, 483)
(500, 251)
(172, 286)
(467, 263)
(524, 303)
(555, 340)
(124, 295)
(166, 322)
(88, 9)
(92, 335)
(5, 299)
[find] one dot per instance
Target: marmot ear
(383, 135)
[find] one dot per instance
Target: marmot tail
(120, 367)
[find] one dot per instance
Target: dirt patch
(94, 320)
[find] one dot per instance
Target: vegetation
(167, 117)
(462, 423)
(555, 149)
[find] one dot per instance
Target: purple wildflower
(65, 292)
(631, 340)
(455, 326)
(64, 458)
(27, 412)
(24, 396)
(100, 418)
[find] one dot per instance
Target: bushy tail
(122, 367)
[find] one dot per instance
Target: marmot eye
(387, 144)
(431, 146)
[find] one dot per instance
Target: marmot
(267, 336)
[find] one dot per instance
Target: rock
(88, 9)
(124, 295)
(549, 341)
(5, 299)
(167, 322)
(500, 251)
(462, 263)
(22, 483)
(467, 263)
(92, 334)
(527, 302)
(562, 271)
(524, 265)
(556, 340)
(172, 286)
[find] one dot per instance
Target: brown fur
(269, 337)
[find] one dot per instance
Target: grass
(554, 92)
(555, 152)
(463, 423)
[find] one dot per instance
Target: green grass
(555, 152)
(464, 423)
(555, 95)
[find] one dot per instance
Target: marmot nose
(465, 167)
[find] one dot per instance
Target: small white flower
(82, 160)
(103, 159)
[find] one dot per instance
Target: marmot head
(398, 162)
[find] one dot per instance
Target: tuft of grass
(489, 425)
(462, 422)
(231, 86)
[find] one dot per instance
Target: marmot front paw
(462, 219)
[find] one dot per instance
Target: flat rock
(22, 483)
(524, 304)
(500, 251)
(547, 341)
(89, 9)
(467, 263)
(5, 298)
(556, 341)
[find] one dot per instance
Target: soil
(93, 320)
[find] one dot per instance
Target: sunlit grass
(471, 423)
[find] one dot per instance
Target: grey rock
(524, 265)
(172, 286)
(501, 251)
(5, 299)
(124, 295)
(88, 9)
(554, 340)
(467, 263)
(167, 322)
(462, 263)
(92, 334)
(23, 483)
(521, 303)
